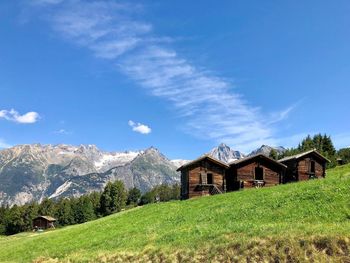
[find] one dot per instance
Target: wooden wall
(304, 169)
(41, 223)
(299, 169)
(192, 175)
(291, 172)
(246, 173)
(184, 184)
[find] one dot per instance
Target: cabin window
(210, 178)
(312, 167)
(312, 174)
(259, 173)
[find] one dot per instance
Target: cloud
(13, 115)
(46, 2)
(3, 144)
(139, 127)
(62, 132)
(208, 105)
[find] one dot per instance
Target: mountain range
(266, 150)
(32, 172)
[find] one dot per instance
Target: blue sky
(180, 75)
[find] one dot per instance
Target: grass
(306, 221)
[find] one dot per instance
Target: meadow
(297, 222)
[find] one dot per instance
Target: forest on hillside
(76, 210)
(323, 144)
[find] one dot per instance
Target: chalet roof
(300, 155)
(257, 156)
(48, 218)
(203, 157)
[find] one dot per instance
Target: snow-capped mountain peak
(224, 153)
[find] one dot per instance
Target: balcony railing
(259, 183)
(212, 188)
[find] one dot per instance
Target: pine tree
(119, 196)
(64, 212)
(318, 142)
(134, 196)
(148, 198)
(95, 198)
(106, 200)
(306, 144)
(84, 210)
(30, 211)
(47, 207)
(3, 212)
(14, 220)
(273, 154)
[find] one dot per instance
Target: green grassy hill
(307, 221)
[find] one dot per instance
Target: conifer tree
(84, 210)
(273, 154)
(134, 196)
(30, 211)
(95, 198)
(14, 220)
(47, 207)
(119, 196)
(106, 200)
(64, 212)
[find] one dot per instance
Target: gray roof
(48, 218)
(206, 156)
(255, 156)
(300, 155)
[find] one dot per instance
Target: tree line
(76, 210)
(323, 144)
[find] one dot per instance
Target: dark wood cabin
(203, 176)
(340, 161)
(254, 171)
(305, 166)
(43, 222)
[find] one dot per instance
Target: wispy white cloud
(62, 132)
(46, 2)
(3, 144)
(139, 127)
(13, 115)
(208, 105)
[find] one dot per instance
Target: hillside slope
(308, 221)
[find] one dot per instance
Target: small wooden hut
(254, 171)
(43, 222)
(203, 176)
(305, 166)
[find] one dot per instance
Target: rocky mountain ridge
(266, 150)
(32, 172)
(224, 153)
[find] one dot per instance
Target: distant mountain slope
(225, 153)
(299, 222)
(32, 172)
(266, 150)
(179, 162)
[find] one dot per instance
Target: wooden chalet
(254, 171)
(305, 166)
(43, 222)
(208, 176)
(203, 176)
